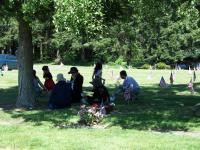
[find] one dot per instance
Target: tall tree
(83, 18)
(25, 11)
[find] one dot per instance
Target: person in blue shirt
(129, 83)
(130, 87)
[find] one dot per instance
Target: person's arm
(40, 84)
(93, 75)
(103, 81)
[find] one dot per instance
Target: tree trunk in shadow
(41, 51)
(26, 97)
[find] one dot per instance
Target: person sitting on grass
(100, 95)
(37, 84)
(49, 83)
(77, 84)
(130, 87)
(61, 94)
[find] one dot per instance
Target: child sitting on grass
(37, 84)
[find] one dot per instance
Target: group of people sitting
(63, 93)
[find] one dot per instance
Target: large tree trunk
(83, 54)
(41, 51)
(58, 56)
(26, 97)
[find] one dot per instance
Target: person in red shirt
(49, 83)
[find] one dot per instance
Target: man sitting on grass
(130, 87)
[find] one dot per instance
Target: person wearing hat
(77, 84)
(61, 95)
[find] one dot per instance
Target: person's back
(131, 83)
(77, 84)
(130, 87)
(49, 83)
(36, 86)
(61, 95)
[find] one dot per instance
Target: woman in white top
(97, 75)
(97, 71)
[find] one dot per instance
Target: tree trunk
(41, 51)
(26, 97)
(83, 54)
(58, 56)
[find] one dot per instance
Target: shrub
(162, 65)
(68, 57)
(145, 66)
(120, 61)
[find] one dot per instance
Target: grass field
(161, 119)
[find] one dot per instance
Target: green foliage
(136, 32)
(81, 17)
(162, 65)
(145, 66)
(120, 61)
(69, 57)
(8, 32)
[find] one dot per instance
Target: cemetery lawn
(161, 119)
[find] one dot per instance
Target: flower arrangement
(94, 114)
(90, 115)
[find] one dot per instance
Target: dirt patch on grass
(76, 125)
(11, 121)
(189, 133)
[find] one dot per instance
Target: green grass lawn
(161, 119)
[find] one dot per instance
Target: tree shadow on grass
(156, 109)
(8, 97)
(38, 115)
(44, 116)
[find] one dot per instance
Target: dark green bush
(162, 65)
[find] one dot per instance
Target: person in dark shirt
(100, 94)
(61, 94)
(77, 84)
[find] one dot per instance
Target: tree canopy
(130, 30)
